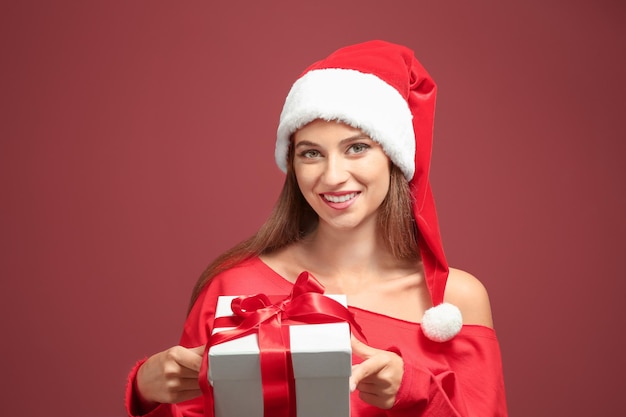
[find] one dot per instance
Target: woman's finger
(189, 358)
(364, 370)
(360, 349)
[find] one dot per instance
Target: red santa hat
(382, 89)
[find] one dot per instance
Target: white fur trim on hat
(360, 100)
(441, 323)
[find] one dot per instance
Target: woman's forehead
(320, 129)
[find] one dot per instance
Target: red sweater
(461, 377)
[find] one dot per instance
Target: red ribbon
(259, 314)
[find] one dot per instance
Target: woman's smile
(339, 197)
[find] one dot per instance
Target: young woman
(356, 211)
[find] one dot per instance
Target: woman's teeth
(339, 198)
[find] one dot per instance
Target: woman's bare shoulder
(466, 292)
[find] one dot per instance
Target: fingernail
(352, 386)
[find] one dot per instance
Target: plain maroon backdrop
(136, 143)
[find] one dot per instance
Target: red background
(137, 144)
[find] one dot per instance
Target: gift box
(321, 357)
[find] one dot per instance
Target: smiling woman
(342, 173)
(356, 211)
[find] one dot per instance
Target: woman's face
(342, 173)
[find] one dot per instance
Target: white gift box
(322, 363)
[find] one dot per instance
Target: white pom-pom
(441, 323)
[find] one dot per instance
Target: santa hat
(382, 89)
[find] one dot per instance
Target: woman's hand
(170, 376)
(378, 377)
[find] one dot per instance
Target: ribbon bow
(261, 314)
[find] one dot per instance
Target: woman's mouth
(339, 198)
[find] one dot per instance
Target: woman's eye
(311, 153)
(358, 148)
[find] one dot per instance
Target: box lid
(317, 350)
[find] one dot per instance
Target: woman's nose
(335, 170)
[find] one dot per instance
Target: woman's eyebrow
(306, 143)
(358, 136)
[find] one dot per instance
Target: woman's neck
(332, 252)
(356, 262)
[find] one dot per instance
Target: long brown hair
(293, 218)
